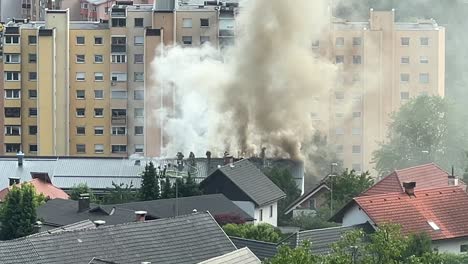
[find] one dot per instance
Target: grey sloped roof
(263, 250)
(240, 256)
(251, 180)
(183, 240)
(81, 225)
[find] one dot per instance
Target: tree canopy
(149, 189)
(262, 232)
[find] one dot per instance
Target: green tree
(80, 189)
(167, 190)
(189, 187)
(262, 232)
(313, 221)
(121, 193)
(149, 189)
(418, 245)
(299, 255)
(18, 213)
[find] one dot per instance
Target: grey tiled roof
(85, 224)
(240, 256)
(245, 175)
(263, 250)
(184, 240)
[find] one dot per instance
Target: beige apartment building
(382, 64)
(78, 88)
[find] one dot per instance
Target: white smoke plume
(259, 93)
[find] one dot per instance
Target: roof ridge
(417, 166)
(253, 240)
(403, 193)
(325, 228)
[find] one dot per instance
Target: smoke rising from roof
(259, 93)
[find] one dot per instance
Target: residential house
(263, 250)
(426, 176)
(246, 185)
(310, 202)
(60, 212)
(188, 239)
(240, 256)
(439, 212)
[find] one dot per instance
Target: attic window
(433, 225)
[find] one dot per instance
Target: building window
(356, 114)
(98, 112)
(339, 59)
(32, 112)
(119, 131)
(339, 131)
(80, 94)
(356, 131)
(98, 41)
(119, 58)
(404, 77)
(424, 41)
(204, 39)
(138, 22)
(33, 130)
(119, 22)
(187, 22)
(12, 94)
(339, 115)
(138, 58)
(405, 41)
(339, 41)
(12, 58)
(356, 59)
(356, 167)
(357, 41)
(32, 57)
(261, 215)
(119, 148)
(119, 113)
(12, 148)
(80, 131)
(424, 78)
(12, 39)
(99, 131)
(98, 76)
(356, 149)
(339, 148)
(204, 22)
(98, 94)
(98, 148)
(139, 40)
(32, 40)
(98, 58)
(271, 211)
(80, 112)
(12, 112)
(339, 95)
(404, 95)
(423, 60)
(139, 95)
(138, 113)
(32, 76)
(80, 40)
(139, 148)
(119, 94)
(119, 77)
(12, 130)
(80, 148)
(463, 248)
(138, 130)
(32, 94)
(404, 60)
(316, 44)
(12, 76)
(80, 58)
(80, 76)
(187, 40)
(138, 76)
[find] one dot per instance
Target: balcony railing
(119, 120)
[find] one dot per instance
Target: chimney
(83, 202)
(14, 180)
(409, 188)
(208, 161)
(140, 216)
(20, 156)
(452, 180)
(228, 159)
(99, 223)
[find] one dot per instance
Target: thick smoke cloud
(259, 93)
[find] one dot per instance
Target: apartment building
(382, 64)
(78, 87)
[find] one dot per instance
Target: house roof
(251, 180)
(445, 207)
(59, 212)
(240, 256)
(85, 224)
(263, 250)
(306, 196)
(187, 239)
(322, 239)
(47, 189)
(426, 176)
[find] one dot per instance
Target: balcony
(118, 48)
(119, 120)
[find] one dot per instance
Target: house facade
(310, 202)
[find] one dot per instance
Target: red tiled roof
(426, 176)
(45, 188)
(447, 207)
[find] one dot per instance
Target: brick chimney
(140, 216)
(409, 188)
(83, 202)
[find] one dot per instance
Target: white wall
(355, 216)
(449, 245)
(273, 220)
